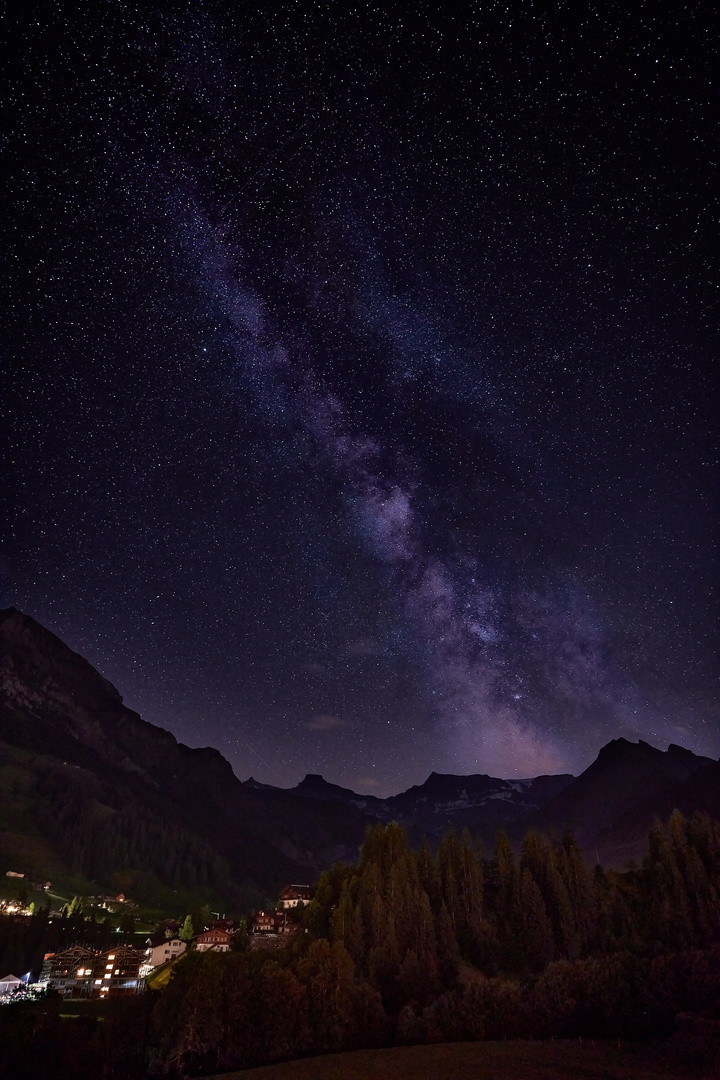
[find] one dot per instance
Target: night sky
(360, 399)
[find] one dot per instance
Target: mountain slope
(87, 787)
(626, 837)
(99, 783)
(611, 805)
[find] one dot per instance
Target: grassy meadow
(512, 1060)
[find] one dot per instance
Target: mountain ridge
(105, 793)
(611, 806)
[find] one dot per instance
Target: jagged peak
(622, 746)
(316, 782)
(21, 633)
(457, 776)
(14, 615)
(312, 779)
(251, 782)
(673, 748)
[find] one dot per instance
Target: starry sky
(360, 399)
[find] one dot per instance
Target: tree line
(408, 947)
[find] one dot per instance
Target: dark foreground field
(513, 1060)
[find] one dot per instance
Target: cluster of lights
(11, 907)
(108, 974)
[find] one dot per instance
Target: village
(81, 972)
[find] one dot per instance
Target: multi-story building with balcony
(83, 973)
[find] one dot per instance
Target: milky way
(360, 412)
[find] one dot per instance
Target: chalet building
(265, 922)
(160, 950)
(83, 973)
(293, 895)
(271, 922)
(216, 940)
(277, 922)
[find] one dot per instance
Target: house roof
(160, 939)
(214, 935)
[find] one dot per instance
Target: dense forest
(102, 829)
(410, 947)
(75, 822)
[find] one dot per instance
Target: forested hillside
(406, 947)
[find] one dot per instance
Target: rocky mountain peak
(313, 780)
(36, 664)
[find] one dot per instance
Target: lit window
(98, 982)
(107, 976)
(111, 957)
(117, 971)
(108, 967)
(81, 971)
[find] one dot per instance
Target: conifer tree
(449, 871)
(429, 877)
(578, 886)
(328, 973)
(502, 885)
(535, 936)
(541, 860)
